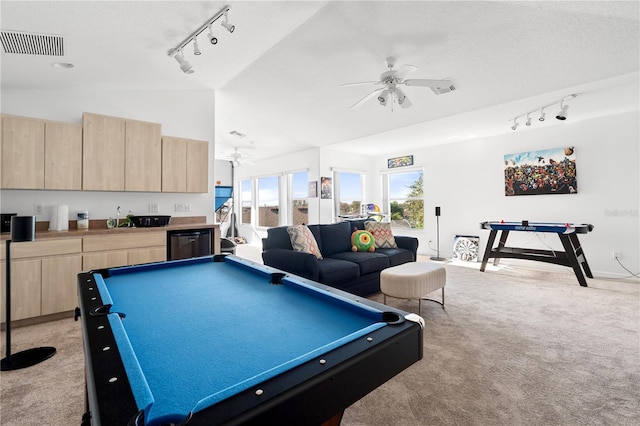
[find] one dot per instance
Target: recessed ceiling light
(63, 65)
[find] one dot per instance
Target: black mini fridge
(187, 244)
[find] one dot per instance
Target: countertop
(99, 227)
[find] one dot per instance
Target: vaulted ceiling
(278, 77)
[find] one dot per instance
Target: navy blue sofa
(354, 272)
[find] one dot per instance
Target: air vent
(443, 90)
(31, 44)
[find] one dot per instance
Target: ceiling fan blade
(427, 83)
(360, 83)
(366, 98)
(404, 70)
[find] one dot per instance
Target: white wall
(188, 114)
(466, 180)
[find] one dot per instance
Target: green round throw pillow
(362, 241)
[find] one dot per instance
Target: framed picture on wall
(403, 161)
(326, 188)
(548, 171)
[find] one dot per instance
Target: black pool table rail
(306, 395)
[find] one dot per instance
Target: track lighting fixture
(212, 38)
(562, 114)
(176, 52)
(225, 23)
(185, 66)
(196, 49)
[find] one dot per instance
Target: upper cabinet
(185, 165)
(105, 153)
(62, 156)
(40, 154)
(120, 154)
(102, 153)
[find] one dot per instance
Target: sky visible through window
(400, 183)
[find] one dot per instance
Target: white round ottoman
(413, 280)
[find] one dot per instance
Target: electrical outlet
(154, 208)
(38, 209)
(616, 255)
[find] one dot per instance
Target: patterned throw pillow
(303, 240)
(382, 234)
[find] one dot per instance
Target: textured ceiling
(278, 76)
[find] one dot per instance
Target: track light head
(542, 114)
(528, 122)
(185, 66)
(562, 115)
(225, 23)
(515, 124)
(196, 48)
(212, 38)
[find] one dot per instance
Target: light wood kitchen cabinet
(103, 260)
(41, 154)
(143, 156)
(43, 276)
(26, 288)
(197, 166)
(120, 154)
(108, 251)
(185, 165)
(103, 145)
(137, 257)
(60, 283)
(22, 153)
(62, 156)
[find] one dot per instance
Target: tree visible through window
(406, 199)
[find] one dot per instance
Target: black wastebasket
(227, 246)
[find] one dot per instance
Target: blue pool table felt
(196, 334)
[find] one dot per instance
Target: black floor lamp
(23, 228)
(437, 256)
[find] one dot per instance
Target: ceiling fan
(390, 80)
(237, 158)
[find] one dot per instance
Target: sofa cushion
(335, 271)
(366, 261)
(382, 234)
(336, 238)
(303, 240)
(278, 237)
(397, 256)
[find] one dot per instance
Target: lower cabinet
(26, 288)
(59, 283)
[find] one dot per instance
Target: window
(406, 199)
(298, 194)
(245, 201)
(349, 189)
(268, 201)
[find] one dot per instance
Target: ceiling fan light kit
(176, 52)
(391, 79)
(561, 115)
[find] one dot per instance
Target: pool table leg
(335, 420)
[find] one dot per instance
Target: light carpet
(514, 346)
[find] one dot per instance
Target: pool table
(572, 256)
(223, 340)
